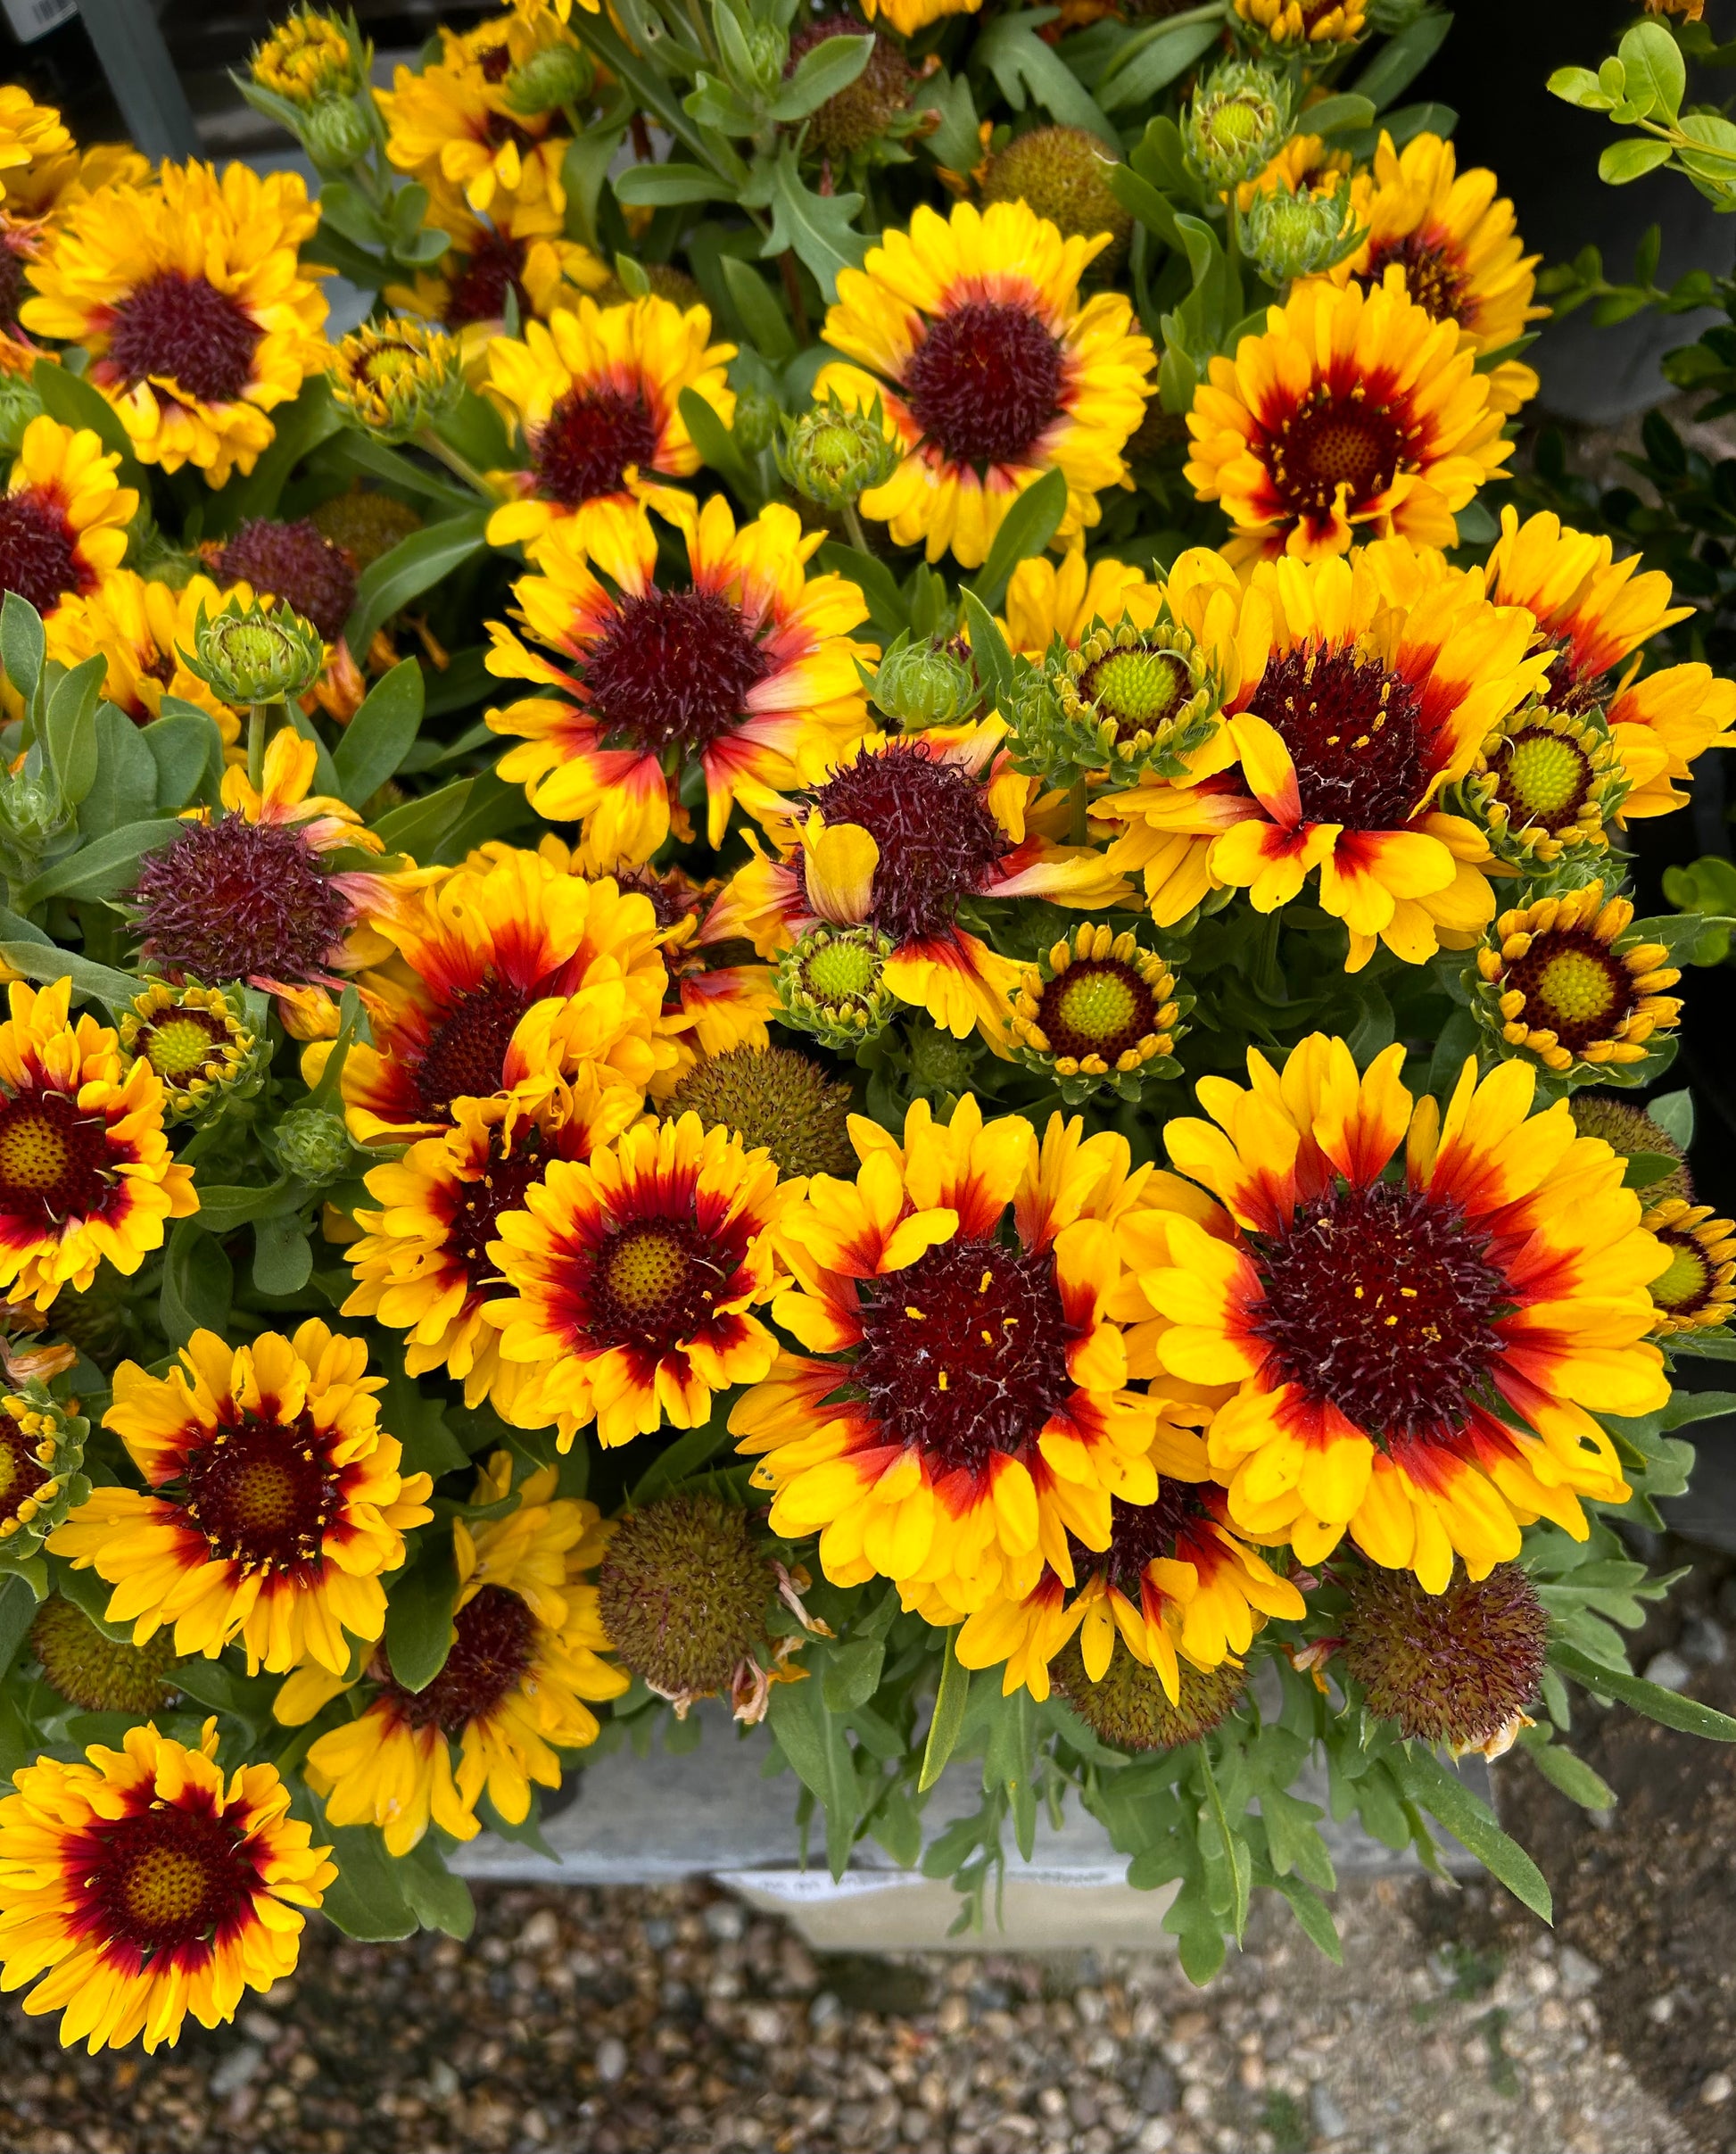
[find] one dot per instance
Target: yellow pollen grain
(914, 1313)
(985, 1282)
(943, 1379)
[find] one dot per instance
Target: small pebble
(1668, 1670)
(1714, 2088)
(611, 2059)
(238, 2069)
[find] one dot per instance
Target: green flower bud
(925, 683)
(831, 982)
(1061, 173)
(834, 455)
(557, 75)
(42, 1448)
(337, 135)
(1126, 702)
(1289, 234)
(939, 1062)
(313, 1144)
(1238, 121)
(312, 55)
(255, 654)
(396, 377)
(768, 49)
(32, 816)
(756, 417)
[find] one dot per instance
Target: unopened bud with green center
(193, 1038)
(1457, 1668)
(32, 816)
(41, 1450)
(684, 1593)
(831, 983)
(312, 54)
(767, 51)
(255, 654)
(833, 454)
(555, 76)
(775, 1098)
(99, 1673)
(1063, 173)
(1238, 121)
(920, 684)
(1129, 1708)
(939, 1062)
(314, 1145)
(1129, 701)
(1288, 234)
(756, 417)
(336, 134)
(397, 378)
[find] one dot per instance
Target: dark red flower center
(11, 288)
(499, 1187)
(162, 1880)
(1566, 689)
(937, 840)
(183, 330)
(984, 382)
(240, 900)
(478, 290)
(263, 1492)
(1333, 439)
(1574, 987)
(670, 903)
(654, 1283)
(1141, 1533)
(1354, 731)
(1434, 279)
(39, 557)
(490, 1654)
(296, 562)
(54, 1162)
(21, 1472)
(590, 438)
(964, 1353)
(465, 1052)
(1099, 1006)
(1383, 1301)
(672, 670)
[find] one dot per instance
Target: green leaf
(853, 1673)
(419, 1424)
(223, 1207)
(91, 1595)
(41, 959)
(949, 1704)
(417, 827)
(1674, 1112)
(77, 402)
(352, 451)
(1025, 68)
(125, 790)
(661, 187)
(1334, 115)
(418, 1617)
(1668, 1707)
(1314, 1915)
(197, 1283)
(103, 868)
(819, 228)
(1141, 200)
(989, 650)
(414, 565)
(1402, 59)
(438, 1900)
(874, 580)
(1571, 1774)
(585, 168)
(22, 643)
(815, 1742)
(367, 1898)
(18, 1611)
(1027, 527)
(1145, 66)
(821, 71)
(955, 142)
(1470, 1821)
(378, 738)
(1656, 73)
(763, 319)
(185, 746)
(1645, 1168)
(693, 1448)
(1577, 86)
(1623, 162)
(297, 429)
(283, 1259)
(71, 727)
(717, 444)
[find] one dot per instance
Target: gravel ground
(608, 2022)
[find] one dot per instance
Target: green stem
(853, 525)
(460, 467)
(1080, 829)
(259, 726)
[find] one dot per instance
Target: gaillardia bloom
(273, 1501)
(1563, 978)
(422, 1265)
(193, 1039)
(248, 895)
(502, 971)
(594, 395)
(141, 629)
(1174, 1581)
(894, 839)
(989, 371)
(1303, 22)
(519, 248)
(188, 296)
(64, 517)
(747, 673)
(146, 1884)
(1355, 415)
(525, 1658)
(1594, 614)
(1698, 1292)
(1461, 258)
(1414, 1356)
(86, 1172)
(962, 1407)
(635, 1278)
(1367, 686)
(450, 124)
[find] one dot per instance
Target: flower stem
(455, 463)
(853, 525)
(259, 723)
